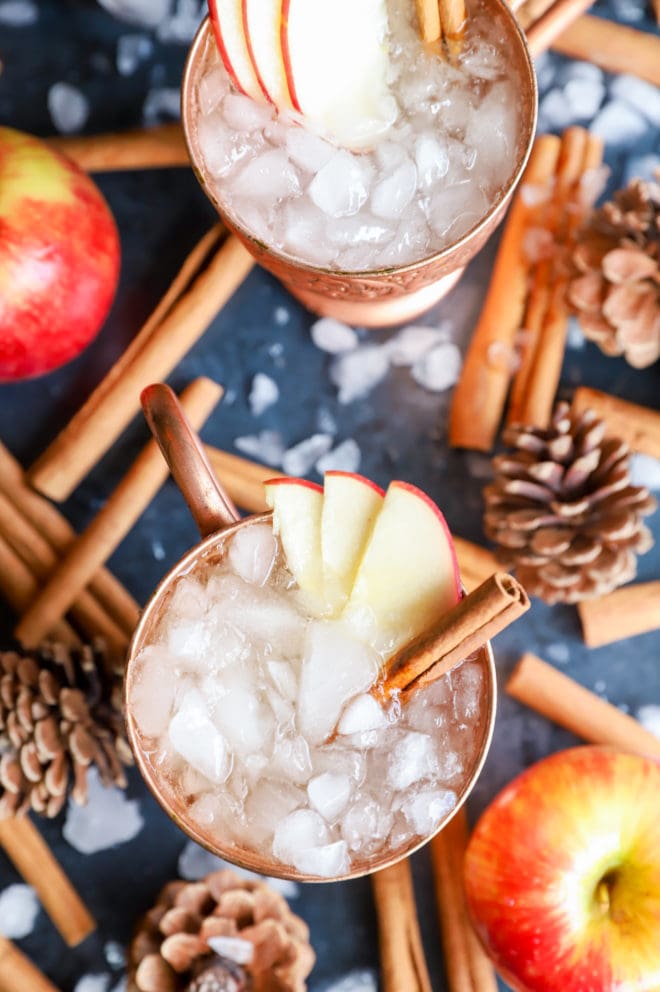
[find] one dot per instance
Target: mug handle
(209, 503)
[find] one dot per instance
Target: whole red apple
(59, 257)
(562, 874)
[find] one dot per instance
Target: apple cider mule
(252, 694)
(347, 144)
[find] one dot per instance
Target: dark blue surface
(401, 430)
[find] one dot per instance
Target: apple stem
(603, 900)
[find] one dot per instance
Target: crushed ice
(299, 459)
(68, 107)
(263, 393)
(109, 818)
(266, 446)
(19, 907)
(346, 457)
(333, 336)
(18, 13)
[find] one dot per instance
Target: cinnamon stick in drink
(626, 612)
(612, 46)
(111, 524)
(553, 22)
(466, 964)
(403, 965)
(480, 395)
(563, 701)
(452, 20)
(18, 973)
(33, 859)
(428, 19)
(638, 426)
(475, 619)
(158, 348)
(146, 148)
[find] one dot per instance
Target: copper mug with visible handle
(218, 520)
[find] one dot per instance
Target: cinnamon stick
(452, 19)
(466, 964)
(626, 612)
(428, 19)
(176, 325)
(147, 148)
(613, 47)
(244, 481)
(475, 619)
(563, 701)
(111, 524)
(637, 425)
(403, 965)
(18, 973)
(480, 395)
(34, 860)
(553, 22)
(47, 521)
(19, 587)
(530, 11)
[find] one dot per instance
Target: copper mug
(218, 520)
(381, 297)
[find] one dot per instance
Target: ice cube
(109, 818)
(261, 614)
(355, 373)
(263, 393)
(242, 113)
(413, 759)
(212, 88)
(328, 793)
(620, 125)
(266, 446)
(637, 93)
(335, 668)
(425, 810)
(341, 186)
(327, 861)
(308, 150)
(412, 342)
(132, 49)
(302, 829)
(362, 713)
(270, 176)
(220, 149)
(361, 230)
(450, 766)
(391, 195)
(454, 209)
(300, 458)
(252, 552)
(291, 759)
(431, 158)
(19, 908)
(232, 948)
(18, 14)
(484, 61)
(68, 108)
(439, 368)
(346, 457)
(366, 825)
(301, 231)
(195, 737)
(284, 678)
(152, 691)
(190, 639)
(390, 155)
(467, 682)
(333, 336)
(243, 720)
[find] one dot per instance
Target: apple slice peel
(297, 506)
(227, 23)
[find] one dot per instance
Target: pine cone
(60, 712)
(616, 291)
(562, 511)
(223, 934)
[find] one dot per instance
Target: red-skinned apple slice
(297, 506)
(262, 25)
(408, 575)
(562, 874)
(227, 23)
(351, 504)
(336, 64)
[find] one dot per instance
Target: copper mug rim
(218, 520)
(526, 137)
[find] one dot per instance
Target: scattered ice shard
(649, 717)
(68, 108)
(300, 458)
(162, 103)
(346, 457)
(182, 25)
(355, 373)
(645, 471)
(263, 393)
(132, 49)
(18, 13)
(619, 125)
(637, 93)
(19, 908)
(333, 336)
(406, 347)
(93, 983)
(439, 368)
(355, 981)
(234, 948)
(109, 818)
(147, 13)
(266, 446)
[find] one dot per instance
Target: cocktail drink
(356, 150)
(252, 693)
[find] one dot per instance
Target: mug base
(384, 312)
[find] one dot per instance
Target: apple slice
(227, 23)
(408, 575)
(351, 504)
(336, 63)
(297, 506)
(262, 24)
